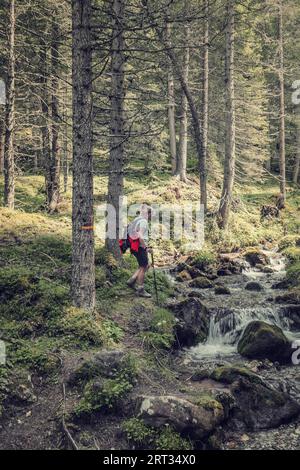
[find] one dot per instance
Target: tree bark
(2, 129)
(205, 81)
(297, 161)
(9, 163)
(171, 111)
(83, 256)
(45, 118)
(53, 186)
(282, 109)
(229, 162)
(183, 133)
(116, 160)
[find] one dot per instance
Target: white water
(231, 314)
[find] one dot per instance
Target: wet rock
(201, 282)
(222, 290)
(254, 286)
(224, 272)
(104, 363)
(183, 276)
(193, 321)
(292, 296)
(281, 285)
(257, 405)
(267, 270)
(292, 312)
(255, 256)
(196, 417)
(196, 294)
(263, 341)
(194, 272)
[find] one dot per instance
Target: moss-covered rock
(255, 256)
(201, 282)
(254, 286)
(196, 417)
(222, 290)
(192, 321)
(261, 340)
(183, 276)
(228, 374)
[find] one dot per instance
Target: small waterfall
(228, 323)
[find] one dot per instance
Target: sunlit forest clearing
(167, 103)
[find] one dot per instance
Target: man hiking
(138, 237)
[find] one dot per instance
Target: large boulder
(260, 340)
(196, 417)
(257, 405)
(255, 256)
(254, 286)
(201, 282)
(105, 363)
(192, 321)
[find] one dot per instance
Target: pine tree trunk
(297, 161)
(183, 133)
(229, 162)
(45, 118)
(2, 128)
(282, 110)
(205, 82)
(83, 257)
(116, 160)
(171, 112)
(9, 164)
(54, 184)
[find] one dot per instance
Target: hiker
(138, 237)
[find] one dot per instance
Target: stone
(257, 405)
(183, 276)
(196, 417)
(201, 282)
(222, 290)
(255, 256)
(192, 321)
(261, 340)
(254, 286)
(104, 363)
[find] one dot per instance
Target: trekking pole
(154, 277)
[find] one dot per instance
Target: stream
(229, 315)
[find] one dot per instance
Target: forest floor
(47, 339)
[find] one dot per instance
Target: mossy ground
(40, 327)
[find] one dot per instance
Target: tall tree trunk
(171, 111)
(54, 183)
(297, 161)
(83, 253)
(2, 128)
(205, 82)
(45, 118)
(194, 114)
(65, 162)
(282, 110)
(9, 164)
(116, 160)
(229, 162)
(182, 155)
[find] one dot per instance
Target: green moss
(108, 393)
(161, 335)
(292, 253)
(204, 259)
(39, 354)
(4, 386)
(228, 374)
(137, 432)
(171, 440)
(288, 241)
(206, 401)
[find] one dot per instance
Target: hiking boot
(131, 283)
(140, 291)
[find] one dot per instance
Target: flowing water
(229, 314)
